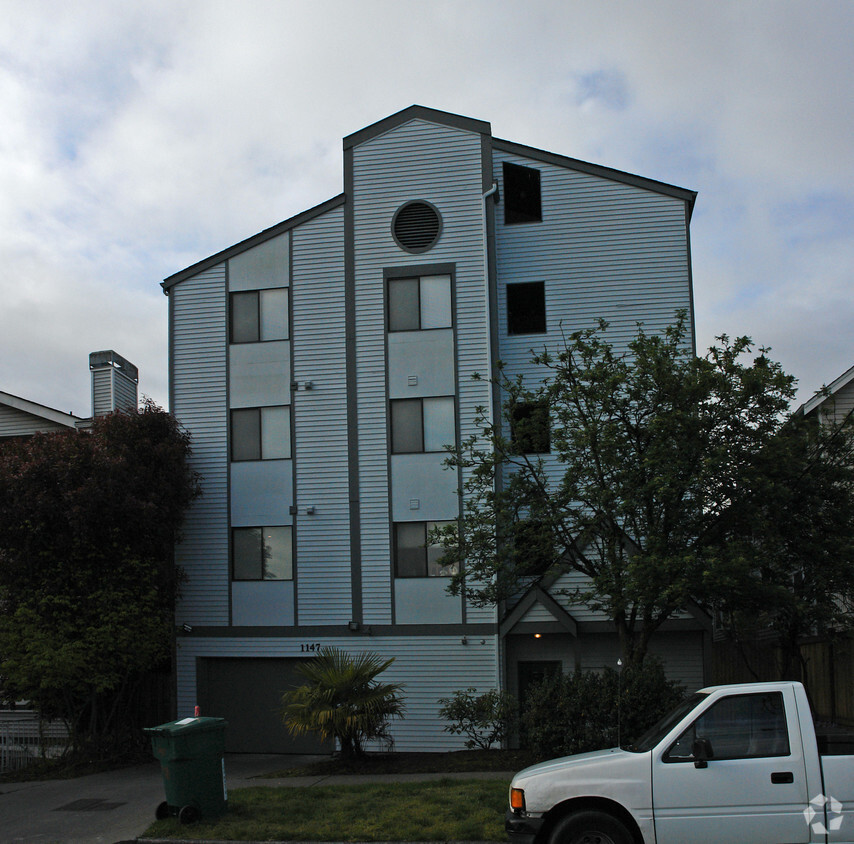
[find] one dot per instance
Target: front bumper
(521, 829)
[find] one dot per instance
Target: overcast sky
(139, 136)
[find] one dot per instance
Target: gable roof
(822, 395)
(688, 196)
(250, 242)
(39, 410)
(416, 112)
(443, 118)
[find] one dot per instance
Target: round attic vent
(416, 226)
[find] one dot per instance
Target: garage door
(247, 693)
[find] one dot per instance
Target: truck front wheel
(590, 828)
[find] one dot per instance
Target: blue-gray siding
(199, 320)
(443, 166)
(320, 422)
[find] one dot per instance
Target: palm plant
(342, 700)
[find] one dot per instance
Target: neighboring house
(23, 418)
(835, 402)
(114, 387)
(321, 366)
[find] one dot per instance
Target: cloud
(140, 137)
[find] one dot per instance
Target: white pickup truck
(734, 764)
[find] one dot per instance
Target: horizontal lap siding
(199, 402)
(430, 667)
(320, 422)
(442, 165)
(681, 654)
(604, 250)
(16, 423)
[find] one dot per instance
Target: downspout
(487, 305)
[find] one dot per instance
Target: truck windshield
(656, 733)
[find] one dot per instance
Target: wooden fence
(828, 674)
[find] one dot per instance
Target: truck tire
(590, 828)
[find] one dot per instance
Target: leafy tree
(658, 480)
(343, 700)
(792, 565)
(88, 523)
(485, 719)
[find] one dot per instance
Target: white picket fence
(24, 738)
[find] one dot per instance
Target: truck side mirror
(702, 752)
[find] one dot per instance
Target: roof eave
(250, 242)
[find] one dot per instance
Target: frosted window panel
(436, 301)
(274, 314)
(439, 427)
(275, 432)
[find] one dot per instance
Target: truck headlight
(517, 799)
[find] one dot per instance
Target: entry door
(754, 787)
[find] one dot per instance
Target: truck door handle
(779, 777)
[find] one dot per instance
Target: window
(737, 727)
(530, 429)
(419, 425)
(419, 303)
(413, 557)
(261, 433)
(258, 315)
(521, 195)
(526, 308)
(262, 553)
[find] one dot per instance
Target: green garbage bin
(193, 767)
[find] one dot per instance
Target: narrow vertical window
(526, 308)
(530, 428)
(522, 201)
(245, 317)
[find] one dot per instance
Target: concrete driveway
(105, 808)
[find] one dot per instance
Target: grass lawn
(449, 809)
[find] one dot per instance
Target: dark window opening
(534, 547)
(526, 308)
(530, 430)
(522, 202)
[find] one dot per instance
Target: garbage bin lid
(188, 725)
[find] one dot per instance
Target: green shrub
(485, 719)
(584, 711)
